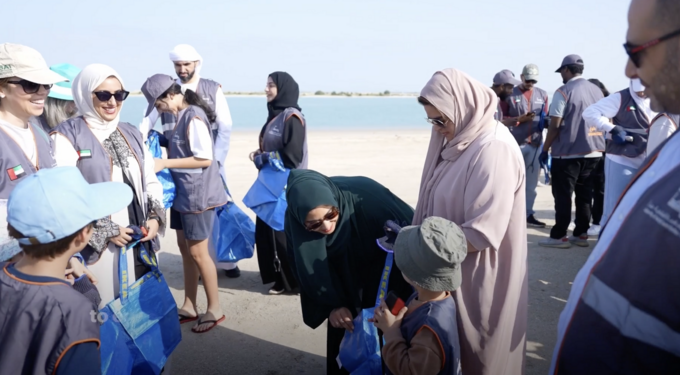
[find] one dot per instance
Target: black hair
(599, 84)
(575, 69)
(48, 250)
(193, 99)
(423, 101)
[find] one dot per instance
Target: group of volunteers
(85, 209)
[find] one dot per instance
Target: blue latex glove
(543, 158)
(260, 160)
(618, 134)
(272, 158)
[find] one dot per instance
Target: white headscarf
(185, 52)
(84, 85)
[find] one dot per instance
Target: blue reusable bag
(140, 329)
(360, 350)
(233, 234)
(267, 196)
(164, 176)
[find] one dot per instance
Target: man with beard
(576, 151)
(529, 101)
(623, 312)
(503, 83)
(188, 63)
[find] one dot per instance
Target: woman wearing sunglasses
(105, 149)
(474, 176)
(284, 133)
(332, 225)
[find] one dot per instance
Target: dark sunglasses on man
(634, 51)
(30, 87)
(105, 96)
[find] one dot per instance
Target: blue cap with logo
(55, 203)
(62, 90)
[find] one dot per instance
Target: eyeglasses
(30, 87)
(437, 122)
(332, 214)
(105, 96)
(633, 50)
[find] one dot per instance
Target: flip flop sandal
(186, 319)
(214, 323)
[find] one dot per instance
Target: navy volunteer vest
(198, 189)
(40, 321)
(527, 132)
(574, 136)
(206, 89)
(636, 123)
(627, 320)
(14, 164)
(440, 317)
(272, 138)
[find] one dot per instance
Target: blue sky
(347, 45)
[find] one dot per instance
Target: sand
(265, 334)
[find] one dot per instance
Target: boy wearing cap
(422, 338)
(48, 327)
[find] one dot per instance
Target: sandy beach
(265, 334)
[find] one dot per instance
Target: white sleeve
(224, 125)
(598, 114)
(148, 122)
(64, 153)
(659, 131)
(200, 141)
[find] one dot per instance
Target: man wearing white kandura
(630, 116)
(188, 64)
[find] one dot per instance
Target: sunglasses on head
(30, 87)
(105, 96)
(634, 51)
(332, 214)
(437, 122)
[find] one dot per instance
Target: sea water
(249, 113)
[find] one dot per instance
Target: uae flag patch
(85, 154)
(631, 108)
(16, 172)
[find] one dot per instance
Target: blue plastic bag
(139, 329)
(360, 350)
(164, 176)
(233, 234)
(267, 196)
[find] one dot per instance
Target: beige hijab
(470, 105)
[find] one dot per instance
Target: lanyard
(123, 272)
(385, 279)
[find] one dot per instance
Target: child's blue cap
(55, 203)
(62, 90)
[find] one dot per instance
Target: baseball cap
(430, 254)
(530, 72)
(504, 77)
(55, 203)
(570, 60)
(26, 63)
(62, 90)
(154, 87)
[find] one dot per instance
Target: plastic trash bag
(164, 176)
(267, 196)
(233, 234)
(360, 350)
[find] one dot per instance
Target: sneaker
(562, 243)
(594, 230)
(581, 240)
(533, 223)
(277, 288)
(233, 273)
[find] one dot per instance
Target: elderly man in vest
(576, 150)
(188, 63)
(628, 128)
(623, 315)
(526, 103)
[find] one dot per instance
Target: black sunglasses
(332, 214)
(633, 50)
(30, 87)
(105, 96)
(437, 122)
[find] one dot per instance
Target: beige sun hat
(26, 63)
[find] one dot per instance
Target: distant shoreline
(316, 95)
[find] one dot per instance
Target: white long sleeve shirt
(224, 123)
(660, 130)
(600, 113)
